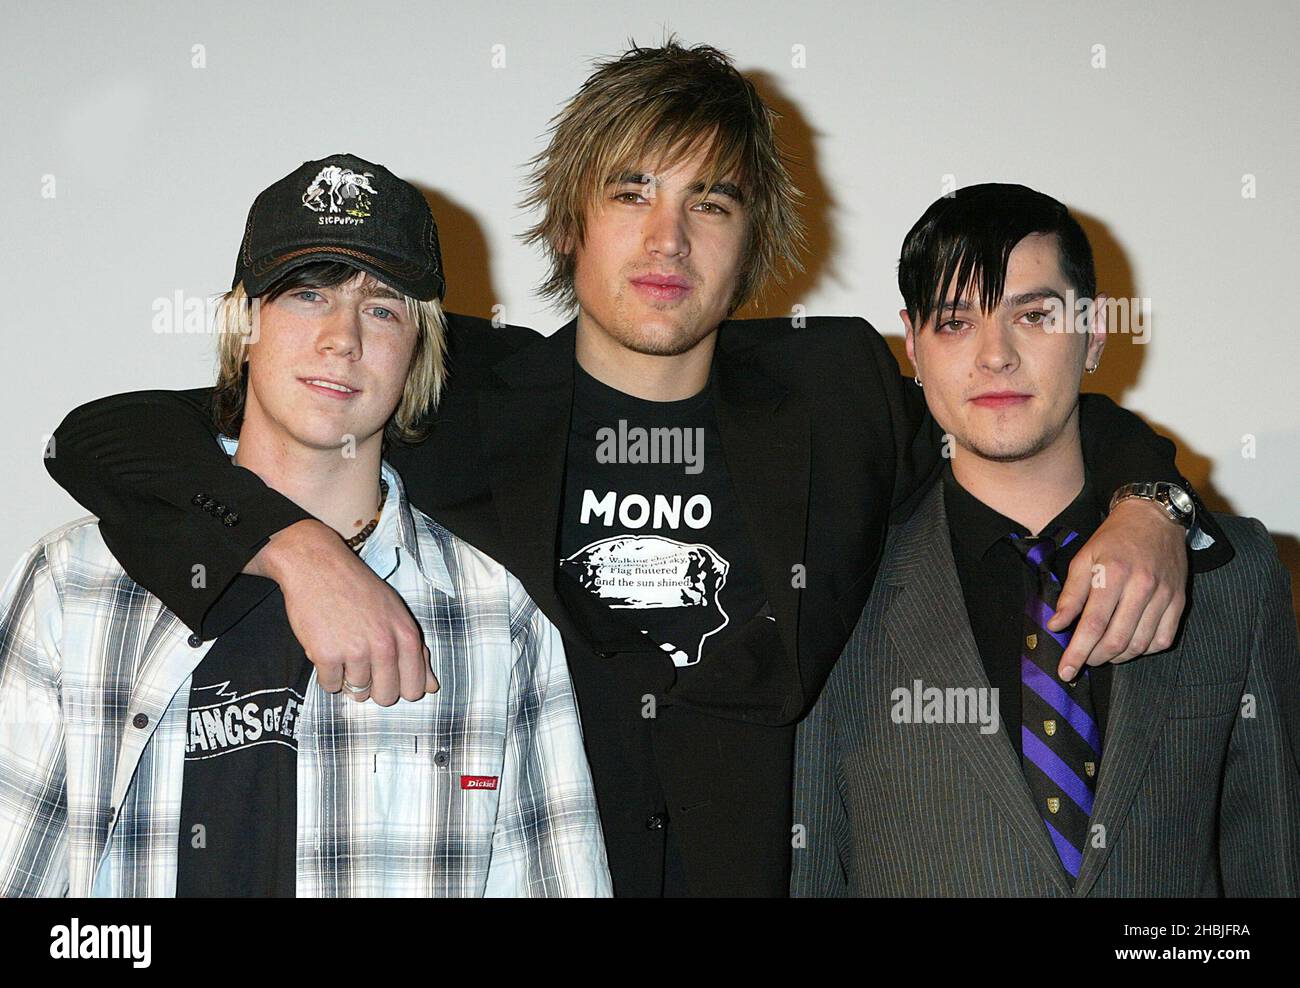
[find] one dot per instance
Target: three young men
(1173, 776)
(138, 760)
(702, 601)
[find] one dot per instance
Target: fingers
(329, 675)
(1136, 615)
(1158, 625)
(413, 666)
(389, 672)
(1096, 616)
(356, 672)
(431, 684)
(1136, 608)
(386, 679)
(1167, 631)
(386, 684)
(1074, 593)
(1144, 629)
(1114, 642)
(398, 666)
(355, 626)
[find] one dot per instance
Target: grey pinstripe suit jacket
(1195, 796)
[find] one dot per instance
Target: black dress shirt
(995, 583)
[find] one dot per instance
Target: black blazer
(823, 439)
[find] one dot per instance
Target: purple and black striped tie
(1060, 741)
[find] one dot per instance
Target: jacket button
(231, 520)
(655, 821)
(193, 641)
(441, 758)
(140, 720)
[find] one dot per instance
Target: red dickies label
(479, 781)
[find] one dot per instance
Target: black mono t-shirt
(650, 527)
(239, 806)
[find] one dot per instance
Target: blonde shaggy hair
(425, 377)
(656, 104)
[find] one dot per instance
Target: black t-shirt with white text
(650, 526)
(239, 807)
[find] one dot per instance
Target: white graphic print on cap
(335, 186)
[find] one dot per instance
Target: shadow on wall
(1288, 547)
(465, 257)
(1121, 362)
(1199, 470)
(798, 141)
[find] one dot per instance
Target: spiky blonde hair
(657, 104)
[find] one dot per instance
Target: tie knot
(1040, 551)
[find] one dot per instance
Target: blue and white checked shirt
(94, 702)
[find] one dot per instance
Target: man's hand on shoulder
(352, 625)
(1128, 587)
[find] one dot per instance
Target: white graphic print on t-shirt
(673, 587)
(234, 721)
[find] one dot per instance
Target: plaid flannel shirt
(94, 714)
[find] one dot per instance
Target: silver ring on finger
(351, 688)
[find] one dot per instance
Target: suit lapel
(525, 415)
(1140, 694)
(930, 609)
(766, 437)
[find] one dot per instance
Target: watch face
(1180, 499)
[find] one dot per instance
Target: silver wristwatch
(1177, 502)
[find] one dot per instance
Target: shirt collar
(978, 528)
(397, 534)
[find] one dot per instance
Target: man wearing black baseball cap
(321, 226)
(347, 210)
(218, 768)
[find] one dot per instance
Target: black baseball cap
(343, 208)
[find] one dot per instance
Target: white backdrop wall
(137, 134)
